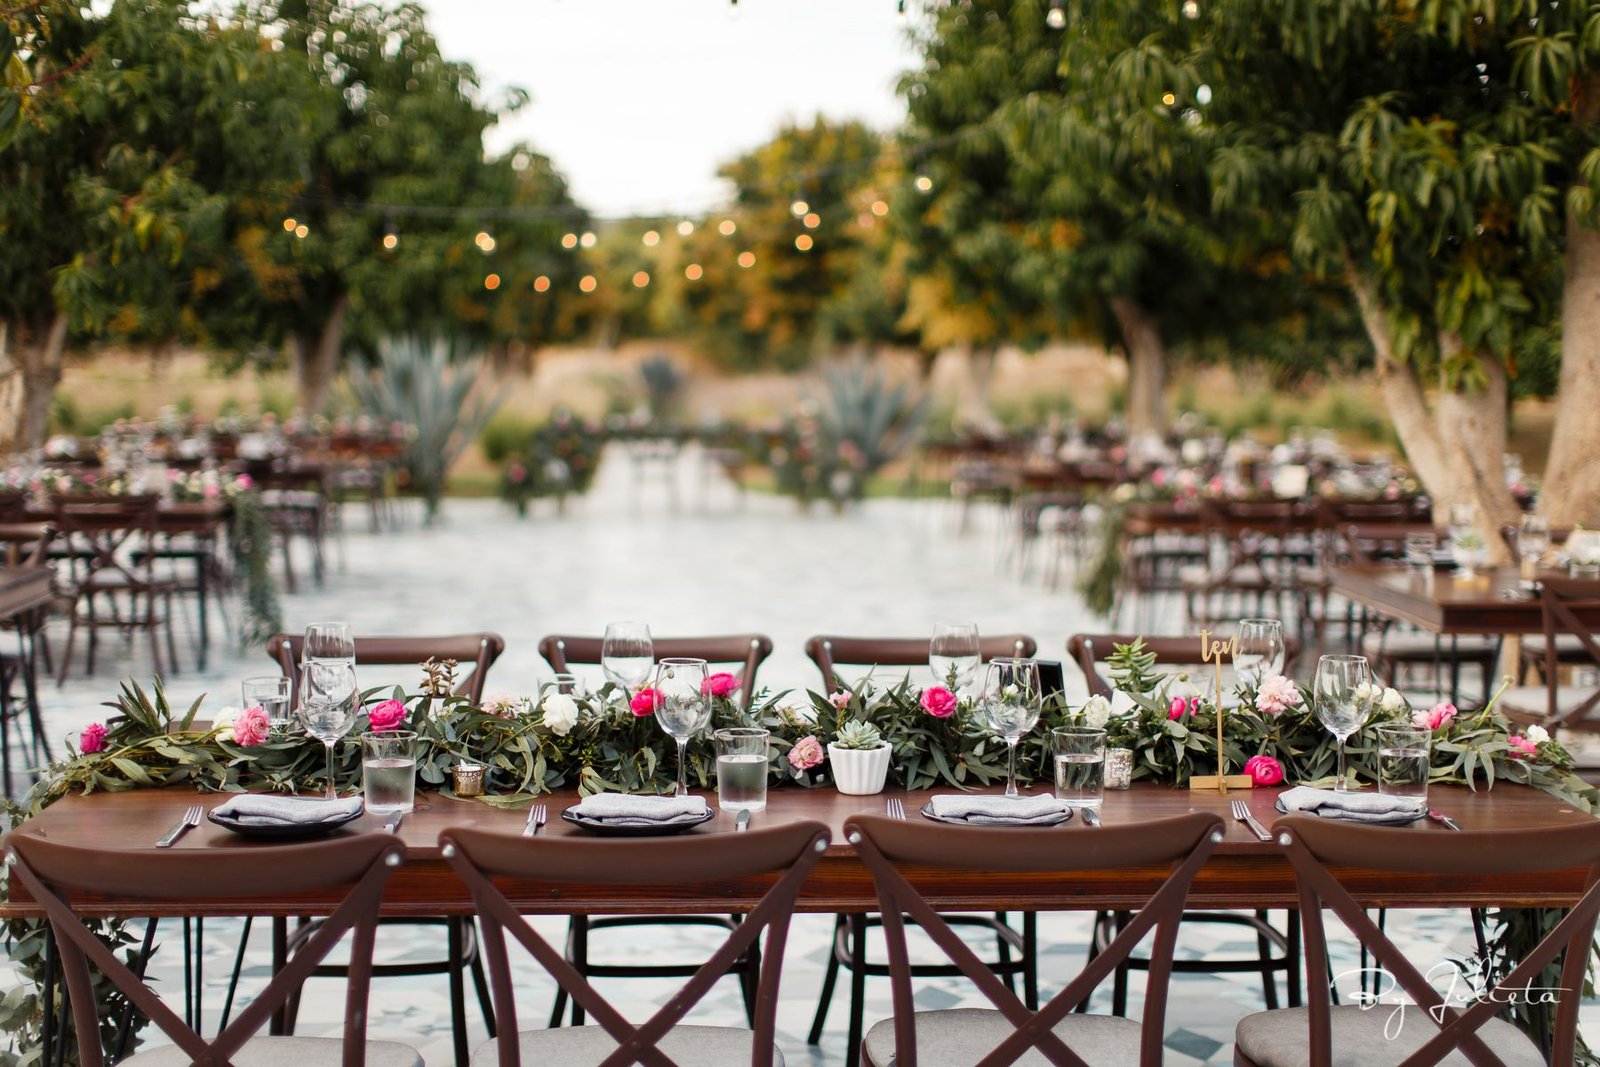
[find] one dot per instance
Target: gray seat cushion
(1422, 646)
(1278, 1038)
(578, 1046)
(960, 1037)
(1569, 647)
(1531, 703)
(289, 1052)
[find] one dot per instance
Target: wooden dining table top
(1244, 872)
(1441, 601)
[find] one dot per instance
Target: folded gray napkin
(1354, 807)
(980, 810)
(270, 809)
(626, 809)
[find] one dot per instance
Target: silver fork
(191, 819)
(536, 817)
(896, 808)
(1241, 812)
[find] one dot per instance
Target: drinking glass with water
(1080, 758)
(389, 770)
(271, 693)
(741, 768)
(1403, 762)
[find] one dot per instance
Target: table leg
(202, 590)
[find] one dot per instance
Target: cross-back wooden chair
(56, 873)
(892, 849)
(1261, 544)
(1016, 951)
(1090, 651)
(477, 651)
(1571, 614)
(746, 652)
(481, 857)
(1438, 1030)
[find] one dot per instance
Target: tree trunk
(1571, 492)
(1147, 366)
(1455, 445)
(972, 408)
(30, 370)
(316, 358)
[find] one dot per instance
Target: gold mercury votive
(1119, 768)
(468, 778)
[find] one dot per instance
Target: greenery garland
(599, 742)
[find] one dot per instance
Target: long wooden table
(1441, 601)
(1244, 872)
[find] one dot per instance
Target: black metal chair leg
(456, 945)
(750, 979)
(1003, 954)
(480, 983)
(1030, 952)
(1269, 984)
(830, 977)
(1291, 975)
(1119, 981)
(125, 1024)
(580, 960)
(238, 968)
(559, 1010)
(858, 987)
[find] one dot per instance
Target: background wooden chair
(747, 652)
(1570, 608)
(1090, 651)
(892, 849)
(1322, 851)
(829, 652)
(790, 850)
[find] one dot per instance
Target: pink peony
(644, 702)
(1277, 694)
(840, 699)
(1518, 747)
(252, 726)
(389, 715)
(1264, 770)
(1178, 708)
(721, 684)
(93, 738)
(806, 753)
(244, 481)
(1435, 717)
(938, 702)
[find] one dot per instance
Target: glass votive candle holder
(1119, 768)
(467, 779)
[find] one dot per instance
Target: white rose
(222, 722)
(1096, 710)
(1537, 734)
(1392, 700)
(560, 713)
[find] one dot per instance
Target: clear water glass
(389, 770)
(1080, 760)
(741, 768)
(1533, 538)
(1404, 761)
(954, 653)
(627, 654)
(271, 693)
(1419, 550)
(1011, 702)
(683, 708)
(1342, 692)
(1260, 652)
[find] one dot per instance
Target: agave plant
(867, 420)
(428, 385)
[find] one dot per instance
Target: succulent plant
(858, 734)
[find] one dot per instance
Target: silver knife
(1090, 816)
(391, 825)
(741, 821)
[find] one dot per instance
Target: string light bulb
(1056, 17)
(491, 282)
(804, 242)
(541, 284)
(301, 230)
(880, 208)
(924, 183)
(651, 238)
(747, 260)
(685, 228)
(1191, 9)
(587, 240)
(588, 283)
(727, 227)
(391, 237)
(641, 279)
(812, 221)
(569, 240)
(484, 241)
(693, 272)
(289, 224)
(799, 208)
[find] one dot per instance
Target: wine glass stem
(1011, 766)
(683, 748)
(331, 794)
(1340, 785)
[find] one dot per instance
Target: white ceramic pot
(859, 771)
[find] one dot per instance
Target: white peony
(1096, 710)
(560, 713)
(1537, 734)
(222, 722)
(1392, 700)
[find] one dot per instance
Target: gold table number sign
(1212, 651)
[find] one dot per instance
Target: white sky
(638, 101)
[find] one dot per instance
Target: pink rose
(244, 481)
(1435, 717)
(806, 753)
(1276, 695)
(840, 699)
(1518, 747)
(93, 738)
(644, 702)
(1178, 708)
(252, 726)
(938, 702)
(721, 684)
(1264, 770)
(389, 715)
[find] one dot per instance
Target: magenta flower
(1434, 718)
(1264, 770)
(244, 481)
(806, 753)
(1178, 708)
(1276, 695)
(93, 738)
(1519, 747)
(721, 684)
(252, 726)
(938, 702)
(840, 699)
(390, 715)
(644, 702)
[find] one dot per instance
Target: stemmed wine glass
(1343, 693)
(954, 651)
(328, 703)
(683, 708)
(1260, 652)
(328, 642)
(627, 655)
(1011, 703)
